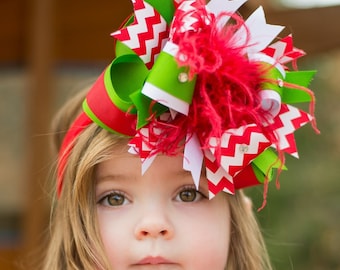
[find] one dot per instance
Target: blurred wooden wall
(80, 29)
(40, 34)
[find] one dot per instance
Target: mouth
(151, 260)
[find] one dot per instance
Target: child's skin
(159, 220)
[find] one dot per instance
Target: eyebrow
(183, 173)
(113, 177)
(202, 187)
(188, 173)
(130, 177)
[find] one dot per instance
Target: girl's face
(159, 220)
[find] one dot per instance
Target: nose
(154, 225)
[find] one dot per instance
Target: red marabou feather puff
(226, 94)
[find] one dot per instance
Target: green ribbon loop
(125, 92)
(118, 80)
(121, 49)
(264, 164)
(166, 74)
(145, 108)
(299, 78)
(272, 78)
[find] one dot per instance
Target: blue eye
(113, 199)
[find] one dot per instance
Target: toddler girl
(193, 108)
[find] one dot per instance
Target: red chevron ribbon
(143, 143)
(241, 146)
(284, 51)
(218, 178)
(289, 119)
(147, 34)
(238, 148)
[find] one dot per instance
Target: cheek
(222, 228)
(218, 239)
(114, 239)
(208, 237)
(107, 232)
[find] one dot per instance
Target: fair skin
(159, 220)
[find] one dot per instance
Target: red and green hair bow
(197, 79)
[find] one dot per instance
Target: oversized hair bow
(196, 79)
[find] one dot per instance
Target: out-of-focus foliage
(301, 221)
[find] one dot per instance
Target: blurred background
(50, 49)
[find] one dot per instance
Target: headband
(199, 80)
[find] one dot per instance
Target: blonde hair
(74, 237)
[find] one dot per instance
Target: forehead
(123, 166)
(124, 162)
